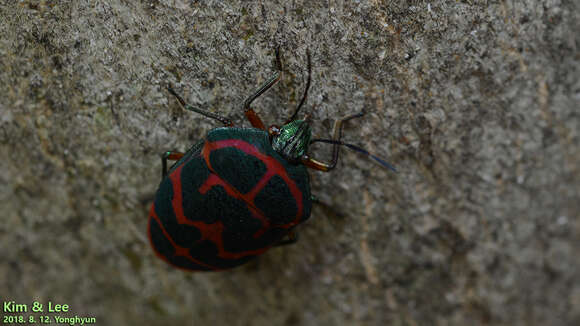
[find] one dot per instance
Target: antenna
(358, 149)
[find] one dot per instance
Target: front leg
(248, 111)
(227, 122)
(337, 135)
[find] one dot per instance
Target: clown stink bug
(239, 191)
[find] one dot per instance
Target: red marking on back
(214, 180)
(273, 168)
(209, 231)
(214, 231)
(178, 250)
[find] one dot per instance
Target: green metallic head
(292, 140)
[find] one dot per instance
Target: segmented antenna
(305, 95)
(358, 149)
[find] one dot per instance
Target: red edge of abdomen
(153, 216)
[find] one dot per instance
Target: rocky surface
(475, 102)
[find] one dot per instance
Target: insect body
(239, 191)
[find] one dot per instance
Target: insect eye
(274, 130)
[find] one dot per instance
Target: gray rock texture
(475, 102)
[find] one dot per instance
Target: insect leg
(166, 156)
(337, 134)
(291, 237)
(248, 111)
(227, 122)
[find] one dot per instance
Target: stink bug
(239, 191)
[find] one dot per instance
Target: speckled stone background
(475, 102)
